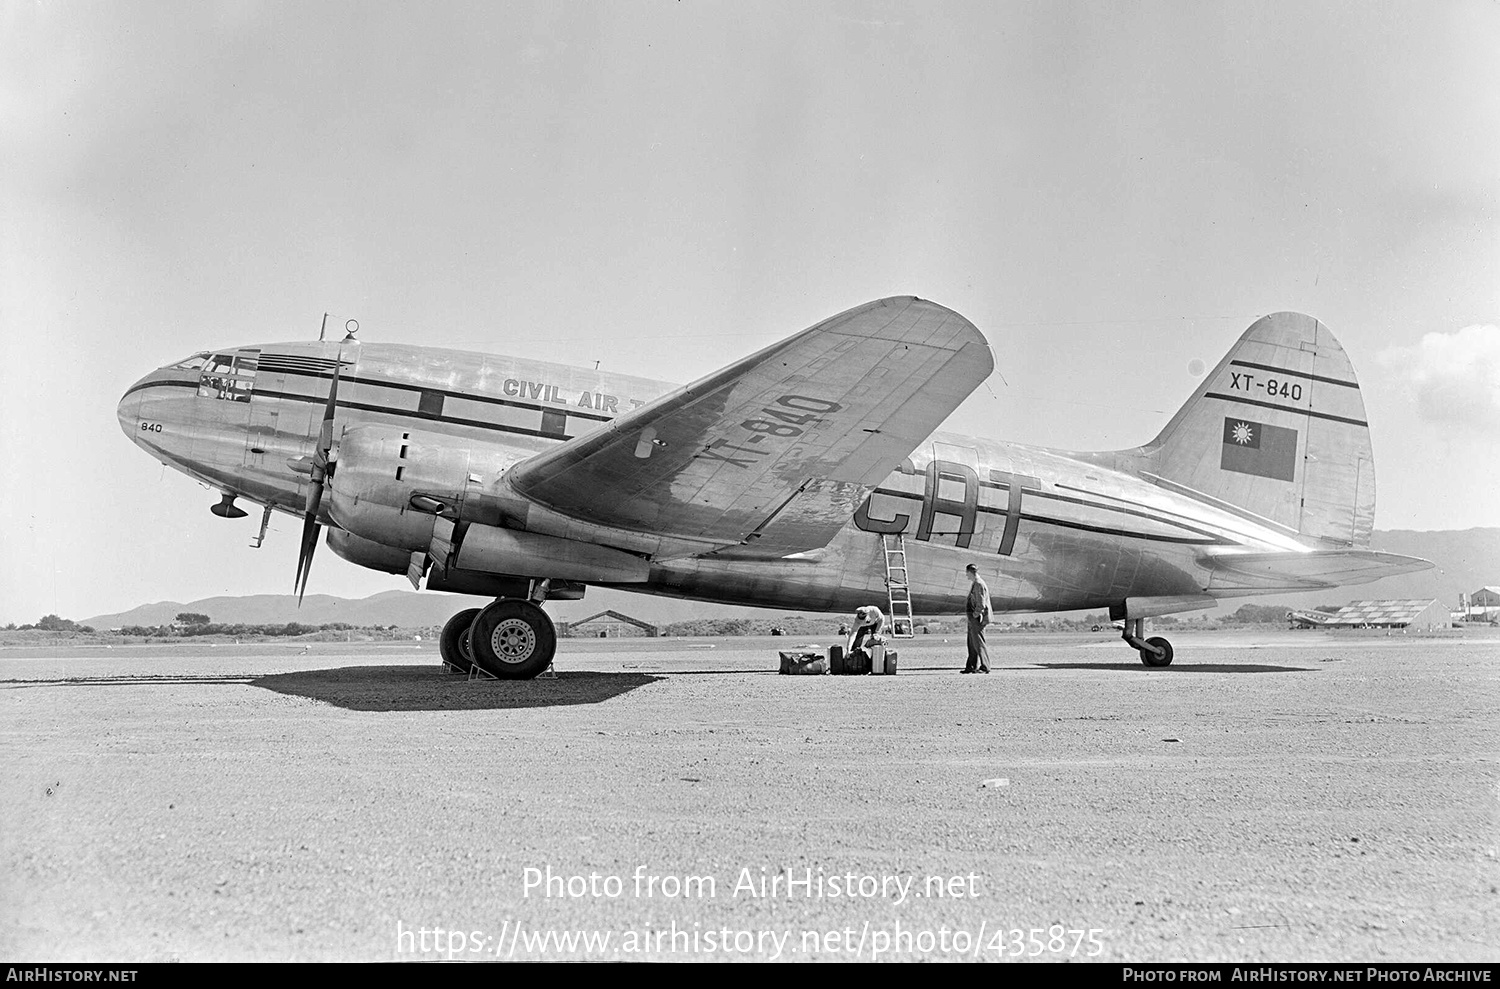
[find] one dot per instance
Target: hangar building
(1413, 614)
(609, 625)
(1483, 605)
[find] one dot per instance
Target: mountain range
(408, 609)
(1465, 561)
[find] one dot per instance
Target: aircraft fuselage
(1050, 530)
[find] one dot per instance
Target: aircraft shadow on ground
(129, 681)
(149, 680)
(1129, 667)
(431, 688)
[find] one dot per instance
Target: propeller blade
(320, 468)
(314, 496)
(310, 529)
(325, 433)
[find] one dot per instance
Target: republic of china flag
(1255, 448)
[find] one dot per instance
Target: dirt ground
(1294, 796)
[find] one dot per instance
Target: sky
(1112, 193)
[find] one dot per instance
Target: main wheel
(513, 639)
(453, 643)
(1165, 659)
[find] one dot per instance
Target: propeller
(322, 469)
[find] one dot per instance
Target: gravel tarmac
(1274, 796)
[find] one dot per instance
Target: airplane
(1308, 619)
(810, 475)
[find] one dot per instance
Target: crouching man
(866, 633)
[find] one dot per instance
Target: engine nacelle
(367, 553)
(487, 549)
(492, 585)
(390, 484)
(397, 492)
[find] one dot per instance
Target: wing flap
(777, 449)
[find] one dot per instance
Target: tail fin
(1278, 429)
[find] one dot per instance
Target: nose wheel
(512, 639)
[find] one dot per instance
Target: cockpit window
(229, 376)
(193, 363)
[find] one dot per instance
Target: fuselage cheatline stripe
(1203, 539)
(1158, 518)
(400, 386)
(446, 393)
(417, 414)
(142, 386)
(365, 407)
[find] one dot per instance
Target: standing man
(978, 609)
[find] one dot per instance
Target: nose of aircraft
(129, 410)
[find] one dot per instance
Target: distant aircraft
(1308, 619)
(806, 476)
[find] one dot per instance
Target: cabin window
(554, 423)
(229, 376)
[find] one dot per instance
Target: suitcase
(878, 659)
(847, 664)
(884, 661)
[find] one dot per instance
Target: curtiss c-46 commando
(806, 476)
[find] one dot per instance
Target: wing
(777, 450)
(1292, 570)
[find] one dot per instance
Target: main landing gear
(1154, 651)
(510, 639)
(453, 643)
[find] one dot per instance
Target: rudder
(1279, 430)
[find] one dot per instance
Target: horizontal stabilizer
(1298, 571)
(779, 449)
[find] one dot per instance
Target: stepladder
(898, 586)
